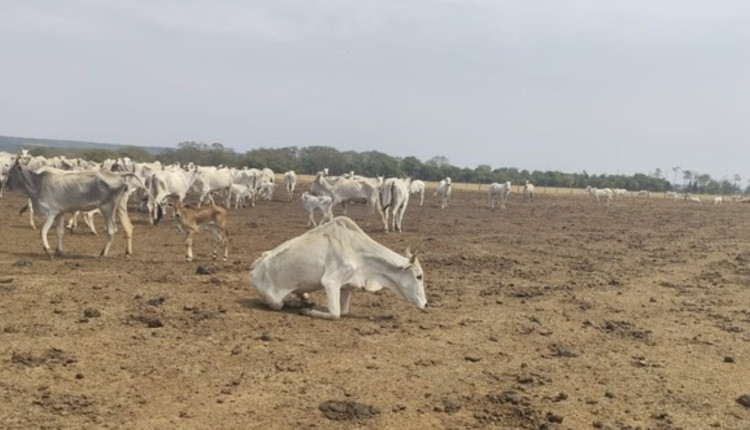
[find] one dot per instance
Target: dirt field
(556, 314)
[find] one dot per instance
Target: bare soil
(554, 314)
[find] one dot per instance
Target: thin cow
(336, 257)
(54, 194)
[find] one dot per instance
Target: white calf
(324, 203)
(500, 190)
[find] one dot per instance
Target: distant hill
(15, 144)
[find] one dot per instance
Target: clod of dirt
(6, 280)
(150, 321)
(744, 400)
(728, 359)
(22, 263)
(91, 313)
(205, 270)
(473, 358)
(157, 301)
(554, 418)
(347, 410)
(265, 337)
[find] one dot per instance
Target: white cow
(718, 200)
(693, 198)
(266, 190)
(528, 191)
(644, 193)
(54, 194)
(214, 180)
(395, 198)
(417, 187)
(171, 182)
(443, 192)
(600, 193)
(336, 257)
(290, 181)
(346, 190)
(670, 195)
(500, 190)
(324, 203)
(619, 192)
(240, 194)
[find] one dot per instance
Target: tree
(410, 166)
(675, 170)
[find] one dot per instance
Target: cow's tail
(387, 196)
(23, 209)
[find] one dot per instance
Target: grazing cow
(718, 200)
(670, 195)
(324, 203)
(598, 193)
(500, 190)
(693, 198)
(348, 190)
(443, 192)
(190, 221)
(54, 194)
(644, 193)
(290, 181)
(336, 257)
(172, 182)
(528, 191)
(395, 198)
(415, 187)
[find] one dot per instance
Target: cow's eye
(419, 277)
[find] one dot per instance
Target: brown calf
(214, 218)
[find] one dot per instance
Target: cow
(417, 187)
(346, 190)
(500, 190)
(54, 194)
(212, 179)
(190, 221)
(336, 257)
(171, 182)
(290, 181)
(443, 192)
(395, 198)
(528, 191)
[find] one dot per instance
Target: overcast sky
(596, 85)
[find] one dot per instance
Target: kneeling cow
(336, 257)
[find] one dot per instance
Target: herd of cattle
(335, 256)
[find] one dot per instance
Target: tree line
(311, 159)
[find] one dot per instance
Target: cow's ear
(407, 267)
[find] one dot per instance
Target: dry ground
(556, 314)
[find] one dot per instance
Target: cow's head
(412, 286)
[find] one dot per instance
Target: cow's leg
(127, 226)
(312, 218)
(110, 227)
(59, 232)
(88, 218)
(333, 295)
(45, 228)
(73, 221)
(344, 300)
(30, 207)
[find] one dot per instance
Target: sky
(604, 86)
